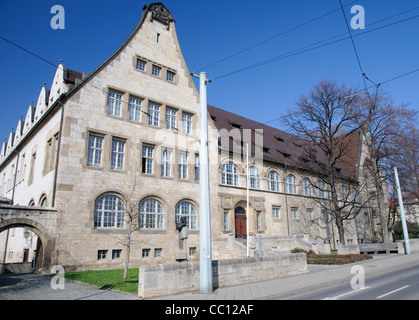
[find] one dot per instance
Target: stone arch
(47, 257)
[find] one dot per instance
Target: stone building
(123, 141)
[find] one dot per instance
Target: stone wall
(169, 279)
(414, 246)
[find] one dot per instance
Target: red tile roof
(284, 148)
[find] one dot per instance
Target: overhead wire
(273, 37)
(302, 50)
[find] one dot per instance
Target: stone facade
(124, 140)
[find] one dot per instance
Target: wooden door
(240, 219)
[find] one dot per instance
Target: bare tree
(381, 123)
(323, 121)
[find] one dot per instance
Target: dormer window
(235, 125)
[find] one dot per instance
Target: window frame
(114, 103)
(166, 163)
(291, 183)
(117, 156)
(135, 109)
(183, 165)
(147, 160)
(151, 214)
(189, 211)
(274, 181)
(104, 215)
(154, 114)
(94, 151)
(229, 172)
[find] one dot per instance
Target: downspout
(57, 155)
(286, 197)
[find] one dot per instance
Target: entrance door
(240, 218)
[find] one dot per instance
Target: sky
(220, 38)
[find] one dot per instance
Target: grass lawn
(108, 279)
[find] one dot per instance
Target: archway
(45, 245)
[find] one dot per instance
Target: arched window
(291, 184)
(274, 183)
(321, 189)
(254, 178)
(229, 174)
(187, 210)
(151, 214)
(307, 187)
(43, 201)
(109, 212)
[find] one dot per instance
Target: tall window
(229, 174)
(147, 159)
(291, 184)
(186, 123)
(166, 163)
(294, 213)
(171, 119)
(274, 184)
(117, 156)
(187, 210)
(226, 224)
(258, 221)
(197, 170)
(114, 103)
(276, 212)
(135, 109)
(320, 187)
(310, 214)
(254, 178)
(94, 150)
(183, 165)
(109, 212)
(153, 114)
(151, 214)
(307, 187)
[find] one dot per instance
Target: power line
(302, 50)
(353, 45)
(274, 37)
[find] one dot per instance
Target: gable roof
(284, 148)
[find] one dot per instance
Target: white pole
(247, 199)
(402, 216)
(205, 274)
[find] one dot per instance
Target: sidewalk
(318, 277)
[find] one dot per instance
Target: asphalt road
(402, 284)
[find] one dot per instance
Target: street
(402, 284)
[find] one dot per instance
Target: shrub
(332, 259)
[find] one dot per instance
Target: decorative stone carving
(160, 13)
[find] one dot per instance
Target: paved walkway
(318, 277)
(37, 287)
